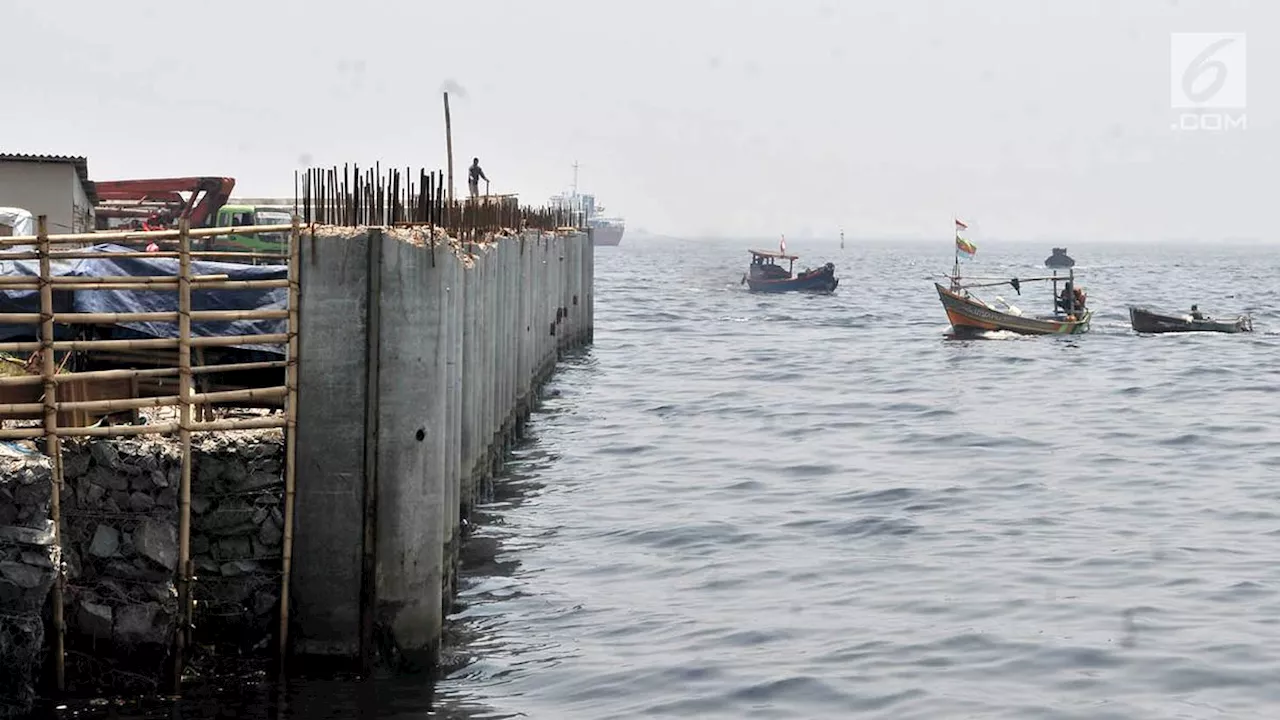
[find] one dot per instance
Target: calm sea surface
(819, 507)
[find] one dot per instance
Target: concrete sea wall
(421, 358)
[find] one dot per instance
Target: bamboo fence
(186, 400)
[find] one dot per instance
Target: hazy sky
(689, 117)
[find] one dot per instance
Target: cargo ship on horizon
(605, 231)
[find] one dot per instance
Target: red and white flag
(961, 226)
(782, 245)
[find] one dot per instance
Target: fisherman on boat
(1072, 299)
(1195, 313)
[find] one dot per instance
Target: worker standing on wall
(474, 177)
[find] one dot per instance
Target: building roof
(81, 165)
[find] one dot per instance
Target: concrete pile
(28, 558)
(423, 358)
(237, 537)
(120, 543)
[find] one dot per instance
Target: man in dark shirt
(1195, 313)
(475, 174)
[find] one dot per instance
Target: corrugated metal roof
(81, 164)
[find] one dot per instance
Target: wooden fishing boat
(766, 275)
(1144, 320)
(971, 315)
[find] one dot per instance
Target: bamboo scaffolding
(186, 399)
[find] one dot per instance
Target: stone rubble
(237, 519)
(120, 556)
(27, 561)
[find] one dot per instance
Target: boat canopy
(773, 254)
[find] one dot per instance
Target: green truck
(245, 216)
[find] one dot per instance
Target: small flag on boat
(960, 225)
(965, 246)
(782, 245)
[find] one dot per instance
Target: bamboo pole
(230, 340)
(118, 404)
(144, 236)
(75, 318)
(290, 441)
(28, 409)
(240, 284)
(268, 393)
(234, 315)
(136, 374)
(184, 435)
(120, 430)
(258, 423)
(152, 287)
(142, 254)
(53, 446)
(150, 344)
(21, 433)
(65, 281)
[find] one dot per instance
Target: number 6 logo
(1208, 70)
(1202, 64)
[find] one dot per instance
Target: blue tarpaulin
(138, 301)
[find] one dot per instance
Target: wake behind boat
(970, 315)
(1148, 321)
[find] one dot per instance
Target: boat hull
(1147, 321)
(607, 235)
(969, 317)
(821, 280)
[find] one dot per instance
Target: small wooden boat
(970, 315)
(1145, 320)
(766, 275)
